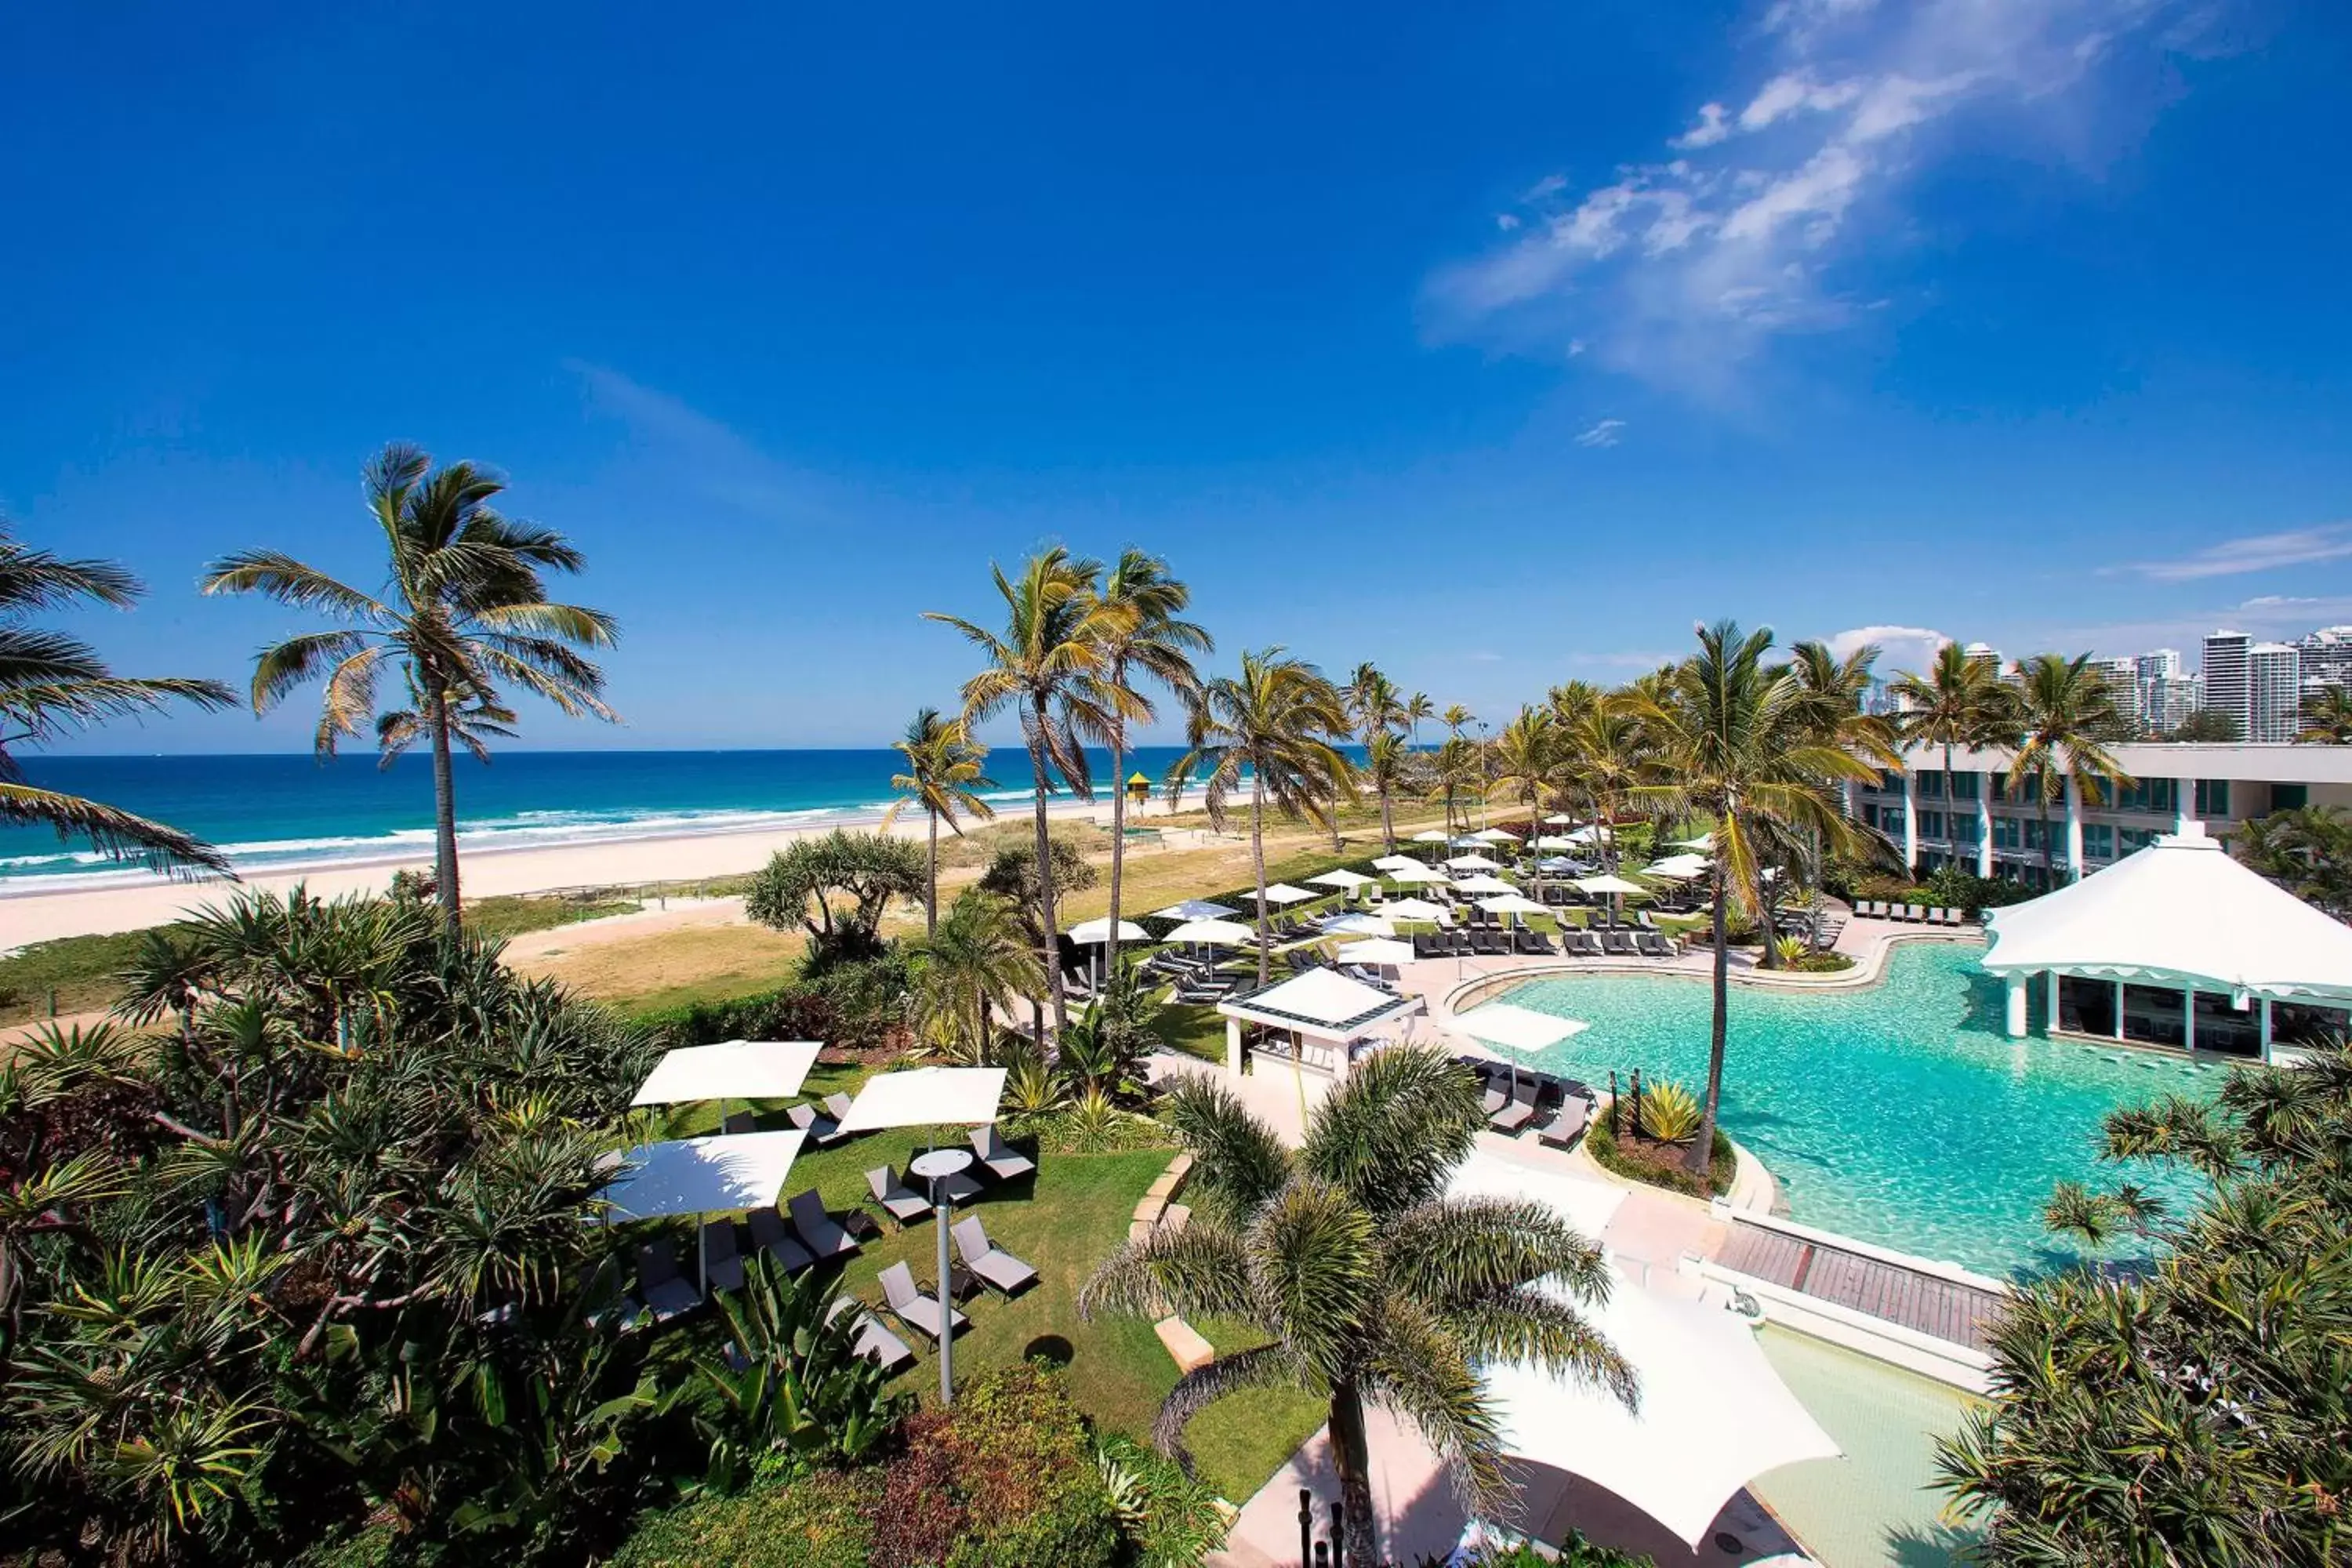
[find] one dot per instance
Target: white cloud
(1507, 222)
(1899, 648)
(715, 460)
(1676, 270)
(1606, 433)
(2255, 552)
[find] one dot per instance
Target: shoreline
(36, 915)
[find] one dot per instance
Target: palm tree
(1571, 700)
(1276, 720)
(52, 684)
(1456, 718)
(1605, 754)
(2327, 718)
(2067, 715)
(1384, 770)
(1374, 705)
(943, 777)
(1368, 1282)
(1050, 664)
(1736, 741)
(1958, 701)
(973, 961)
(1145, 636)
(1417, 707)
(1526, 760)
(466, 610)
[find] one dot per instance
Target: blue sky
(1495, 343)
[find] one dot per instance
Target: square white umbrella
(732, 1070)
(1212, 933)
(1592, 833)
(1379, 953)
(1431, 835)
(1511, 904)
(1094, 933)
(927, 1097)
(1607, 883)
(1419, 876)
(1704, 841)
(1284, 893)
(1496, 835)
(1559, 819)
(1395, 863)
(1514, 1029)
(1411, 909)
(1481, 884)
(720, 1175)
(1359, 925)
(1193, 910)
(1672, 870)
(1554, 841)
(1474, 863)
(1350, 881)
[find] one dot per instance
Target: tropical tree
(52, 684)
(1571, 700)
(1736, 743)
(474, 722)
(1377, 710)
(943, 777)
(1456, 719)
(1146, 639)
(2067, 718)
(2307, 851)
(464, 611)
(1278, 721)
(836, 889)
(1386, 769)
(1957, 701)
(1050, 664)
(1417, 707)
(2328, 718)
(1526, 764)
(1011, 874)
(967, 969)
(1369, 1285)
(2211, 726)
(1603, 756)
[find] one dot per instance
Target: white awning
(1419, 876)
(721, 1174)
(2178, 912)
(1411, 910)
(1089, 933)
(1713, 1415)
(1323, 1004)
(1514, 1029)
(1483, 884)
(1193, 910)
(1359, 925)
(1343, 878)
(1474, 863)
(1284, 893)
(1379, 953)
(927, 1097)
(1606, 883)
(1511, 904)
(732, 1070)
(1215, 934)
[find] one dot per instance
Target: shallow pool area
(1899, 1115)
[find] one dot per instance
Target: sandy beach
(145, 901)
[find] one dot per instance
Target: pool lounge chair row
(1557, 1108)
(1916, 914)
(1571, 944)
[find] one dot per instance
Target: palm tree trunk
(1703, 1154)
(1052, 949)
(1117, 830)
(1388, 824)
(444, 806)
(1257, 859)
(931, 887)
(1351, 1456)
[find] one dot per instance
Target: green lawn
(1065, 1220)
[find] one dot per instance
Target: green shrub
(1170, 1519)
(1024, 1467)
(826, 1520)
(1661, 1165)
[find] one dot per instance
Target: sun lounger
(1004, 1161)
(868, 1337)
(1566, 1124)
(666, 1293)
(824, 1236)
(1498, 1089)
(900, 1205)
(837, 1107)
(742, 1121)
(1520, 1110)
(912, 1307)
(821, 1130)
(769, 1235)
(722, 1262)
(1654, 945)
(1617, 945)
(987, 1260)
(1914, 912)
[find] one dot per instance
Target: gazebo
(2178, 944)
(1323, 1010)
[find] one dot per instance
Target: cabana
(1324, 1013)
(2177, 944)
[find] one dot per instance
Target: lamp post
(935, 1167)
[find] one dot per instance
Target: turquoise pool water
(1900, 1114)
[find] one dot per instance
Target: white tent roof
(1342, 879)
(732, 1070)
(1418, 875)
(1514, 1029)
(2180, 911)
(702, 1175)
(1411, 909)
(1606, 883)
(1359, 925)
(1218, 933)
(1284, 893)
(1431, 835)
(1496, 835)
(1474, 863)
(1322, 1002)
(1379, 951)
(1511, 904)
(1713, 1415)
(1483, 884)
(1193, 909)
(926, 1097)
(1396, 863)
(1089, 932)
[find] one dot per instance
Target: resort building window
(1890, 822)
(2153, 796)
(1964, 829)
(2132, 839)
(2290, 797)
(1931, 787)
(2099, 841)
(1964, 786)
(1869, 815)
(2212, 797)
(1931, 825)
(1999, 783)
(2005, 835)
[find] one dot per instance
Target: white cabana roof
(1513, 1028)
(926, 1097)
(2178, 912)
(1396, 863)
(1323, 1004)
(1431, 835)
(1511, 904)
(1482, 883)
(1343, 878)
(1284, 893)
(702, 1175)
(1380, 952)
(1713, 1415)
(1087, 933)
(1607, 883)
(1217, 933)
(1411, 909)
(1496, 835)
(1419, 876)
(1194, 907)
(1474, 863)
(1359, 925)
(732, 1070)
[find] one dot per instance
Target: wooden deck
(1928, 1303)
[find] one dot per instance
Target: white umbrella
(1215, 934)
(1193, 910)
(926, 1097)
(1419, 876)
(1411, 909)
(1609, 883)
(1284, 893)
(1515, 1031)
(1592, 833)
(1496, 835)
(1704, 841)
(1359, 925)
(1379, 953)
(1482, 885)
(1555, 841)
(732, 1070)
(1511, 904)
(1346, 879)
(1396, 863)
(1467, 841)
(1431, 835)
(1555, 863)
(1559, 819)
(1474, 863)
(1674, 870)
(721, 1174)
(1095, 931)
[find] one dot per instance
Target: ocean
(284, 812)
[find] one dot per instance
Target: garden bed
(1659, 1164)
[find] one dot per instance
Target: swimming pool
(1899, 1115)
